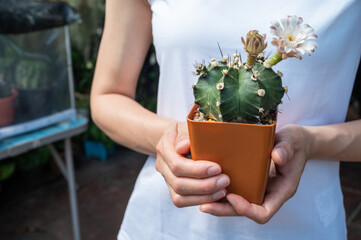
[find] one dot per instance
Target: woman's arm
(338, 142)
(125, 42)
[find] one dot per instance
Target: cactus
(229, 90)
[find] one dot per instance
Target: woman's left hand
(289, 156)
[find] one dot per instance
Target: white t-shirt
(320, 86)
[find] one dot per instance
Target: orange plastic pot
(242, 150)
(7, 109)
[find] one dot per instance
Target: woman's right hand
(190, 182)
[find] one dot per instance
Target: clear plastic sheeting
(22, 16)
(35, 80)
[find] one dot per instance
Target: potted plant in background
(7, 102)
(35, 87)
(97, 144)
(233, 121)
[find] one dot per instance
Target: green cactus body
(238, 94)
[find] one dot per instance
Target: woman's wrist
(335, 142)
(309, 136)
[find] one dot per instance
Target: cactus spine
(229, 90)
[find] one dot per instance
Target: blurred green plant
(83, 71)
(25, 162)
(86, 36)
(7, 169)
(147, 87)
(32, 73)
(33, 159)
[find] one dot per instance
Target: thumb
(182, 146)
(282, 153)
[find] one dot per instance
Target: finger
(182, 141)
(181, 166)
(272, 170)
(288, 177)
(194, 186)
(182, 146)
(184, 167)
(282, 153)
(218, 209)
(279, 192)
(258, 213)
(193, 200)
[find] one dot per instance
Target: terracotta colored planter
(242, 150)
(7, 109)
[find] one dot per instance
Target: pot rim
(195, 106)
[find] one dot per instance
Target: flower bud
(255, 43)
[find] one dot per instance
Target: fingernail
(203, 209)
(231, 200)
(222, 182)
(213, 171)
(280, 152)
(219, 194)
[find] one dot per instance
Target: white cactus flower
(224, 71)
(214, 64)
(292, 37)
(218, 104)
(225, 58)
(213, 59)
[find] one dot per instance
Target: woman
(304, 200)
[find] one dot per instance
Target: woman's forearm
(128, 123)
(339, 141)
(123, 48)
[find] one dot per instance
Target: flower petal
(274, 42)
(309, 47)
(276, 28)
